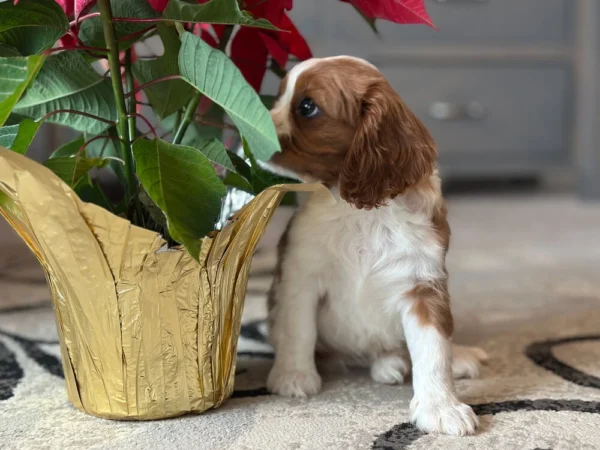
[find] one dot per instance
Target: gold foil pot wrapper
(145, 332)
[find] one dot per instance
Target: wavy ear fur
(391, 151)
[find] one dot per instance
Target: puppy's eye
(307, 108)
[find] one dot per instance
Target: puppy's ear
(391, 151)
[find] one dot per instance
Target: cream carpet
(525, 279)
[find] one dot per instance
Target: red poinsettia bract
(251, 47)
(399, 11)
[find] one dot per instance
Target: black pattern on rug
(10, 372)
(402, 435)
(541, 354)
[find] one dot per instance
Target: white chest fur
(363, 263)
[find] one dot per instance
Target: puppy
(361, 273)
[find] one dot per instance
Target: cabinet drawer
(473, 22)
(489, 111)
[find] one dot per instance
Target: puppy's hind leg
(391, 368)
(467, 361)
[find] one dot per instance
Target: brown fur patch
(440, 223)
(432, 306)
(391, 151)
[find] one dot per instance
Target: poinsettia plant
(157, 122)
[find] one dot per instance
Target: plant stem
(137, 33)
(131, 107)
(277, 69)
(86, 143)
(150, 83)
(188, 117)
(192, 106)
(146, 121)
(225, 126)
(178, 119)
(135, 20)
(112, 45)
(82, 18)
(78, 48)
(225, 38)
(79, 113)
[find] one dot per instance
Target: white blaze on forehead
(285, 100)
(281, 109)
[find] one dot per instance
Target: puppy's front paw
(466, 361)
(447, 416)
(294, 383)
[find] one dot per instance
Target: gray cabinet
(489, 119)
(497, 84)
(459, 22)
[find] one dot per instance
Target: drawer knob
(475, 110)
(447, 111)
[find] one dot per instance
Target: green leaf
(184, 185)
(104, 148)
(215, 151)
(268, 100)
(154, 212)
(239, 172)
(107, 148)
(212, 73)
(67, 81)
(97, 100)
(169, 123)
(207, 139)
(225, 12)
(196, 134)
(91, 31)
(166, 97)
(237, 181)
(98, 148)
(18, 138)
(241, 166)
(262, 179)
(63, 74)
(6, 51)
(15, 76)
(71, 169)
(32, 26)
(70, 148)
(8, 135)
(91, 192)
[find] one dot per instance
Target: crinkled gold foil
(144, 333)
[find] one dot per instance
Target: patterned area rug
(525, 286)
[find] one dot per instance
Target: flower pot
(145, 332)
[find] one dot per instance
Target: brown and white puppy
(362, 273)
